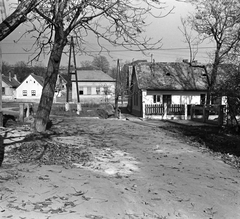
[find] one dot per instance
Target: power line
(120, 50)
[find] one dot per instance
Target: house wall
(90, 94)
(136, 98)
(178, 97)
(9, 91)
(28, 88)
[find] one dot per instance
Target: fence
(207, 114)
(212, 114)
(161, 109)
(154, 109)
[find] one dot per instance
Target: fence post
(185, 111)
(220, 115)
(165, 111)
(204, 113)
(28, 110)
(144, 94)
(21, 112)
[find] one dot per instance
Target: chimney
(10, 77)
(130, 69)
(15, 77)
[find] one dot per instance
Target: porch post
(165, 111)
(185, 112)
(144, 94)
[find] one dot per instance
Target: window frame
(24, 93)
(33, 93)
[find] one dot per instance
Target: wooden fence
(154, 109)
(207, 114)
(159, 109)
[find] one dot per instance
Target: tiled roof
(169, 76)
(12, 83)
(39, 79)
(92, 75)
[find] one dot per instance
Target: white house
(154, 85)
(30, 88)
(9, 86)
(94, 86)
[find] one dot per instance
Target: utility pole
(2, 17)
(79, 108)
(70, 73)
(117, 89)
(67, 105)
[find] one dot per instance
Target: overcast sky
(173, 45)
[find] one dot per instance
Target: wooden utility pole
(72, 50)
(79, 108)
(117, 89)
(67, 106)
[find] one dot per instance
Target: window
(156, 98)
(24, 92)
(3, 90)
(33, 92)
(80, 90)
(97, 90)
(89, 90)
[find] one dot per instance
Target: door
(167, 99)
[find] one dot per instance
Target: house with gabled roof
(94, 86)
(9, 86)
(164, 83)
(30, 88)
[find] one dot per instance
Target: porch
(206, 114)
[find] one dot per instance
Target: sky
(166, 28)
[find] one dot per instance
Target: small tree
(229, 86)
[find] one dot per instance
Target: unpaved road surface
(135, 172)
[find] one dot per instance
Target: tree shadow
(212, 137)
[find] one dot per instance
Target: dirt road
(134, 172)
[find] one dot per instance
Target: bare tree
(118, 22)
(190, 39)
(219, 22)
(17, 17)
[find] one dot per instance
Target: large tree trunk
(17, 17)
(45, 105)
